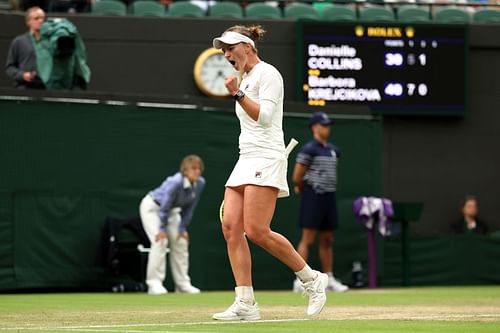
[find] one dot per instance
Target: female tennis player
(259, 176)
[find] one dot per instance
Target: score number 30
(397, 60)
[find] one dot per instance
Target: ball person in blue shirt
(165, 213)
(315, 178)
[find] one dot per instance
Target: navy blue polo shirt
(321, 161)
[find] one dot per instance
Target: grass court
(429, 310)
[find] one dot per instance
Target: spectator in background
(165, 213)
(21, 64)
(315, 178)
(469, 222)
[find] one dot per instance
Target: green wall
(65, 167)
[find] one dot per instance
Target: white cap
(231, 38)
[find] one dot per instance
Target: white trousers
(179, 247)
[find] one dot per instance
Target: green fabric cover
(57, 71)
(66, 166)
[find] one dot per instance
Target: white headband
(231, 38)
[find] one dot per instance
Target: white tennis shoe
(316, 290)
(239, 310)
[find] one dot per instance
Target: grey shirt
(22, 58)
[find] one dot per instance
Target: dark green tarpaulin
(61, 56)
(65, 167)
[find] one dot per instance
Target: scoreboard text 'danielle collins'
(409, 69)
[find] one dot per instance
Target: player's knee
(257, 235)
(252, 235)
(231, 232)
(227, 230)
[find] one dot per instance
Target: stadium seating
(486, 16)
(451, 15)
(5, 5)
(226, 9)
(258, 10)
(339, 13)
(378, 3)
(346, 2)
(298, 10)
(185, 9)
(321, 6)
(376, 13)
(109, 7)
(411, 13)
(327, 10)
(146, 8)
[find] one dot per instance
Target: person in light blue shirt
(166, 213)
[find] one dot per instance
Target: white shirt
(264, 137)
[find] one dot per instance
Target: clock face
(210, 72)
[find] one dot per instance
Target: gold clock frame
(198, 65)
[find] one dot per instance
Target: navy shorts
(318, 211)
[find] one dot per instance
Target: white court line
(101, 327)
(115, 327)
(128, 331)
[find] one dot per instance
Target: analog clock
(210, 72)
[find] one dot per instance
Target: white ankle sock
(245, 293)
(306, 274)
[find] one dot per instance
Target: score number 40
(395, 89)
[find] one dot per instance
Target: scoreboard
(391, 68)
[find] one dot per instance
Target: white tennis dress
(262, 158)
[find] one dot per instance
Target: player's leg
(237, 245)
(258, 209)
(306, 240)
(244, 306)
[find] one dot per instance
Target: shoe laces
(234, 307)
(237, 305)
(311, 290)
